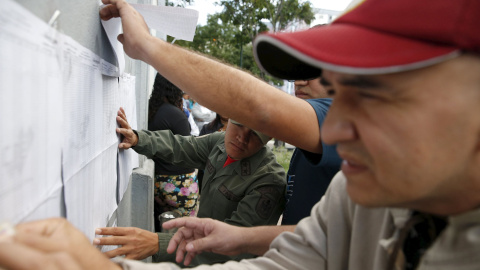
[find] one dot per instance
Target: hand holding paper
(177, 22)
(134, 27)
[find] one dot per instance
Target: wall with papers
(61, 87)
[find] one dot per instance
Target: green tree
(250, 16)
(283, 12)
(228, 35)
(216, 39)
(245, 14)
(178, 3)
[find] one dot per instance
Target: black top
(206, 130)
(171, 118)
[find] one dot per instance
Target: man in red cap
(405, 77)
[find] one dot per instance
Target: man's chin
(367, 198)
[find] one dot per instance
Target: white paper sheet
(52, 206)
(90, 141)
(55, 100)
(90, 194)
(177, 22)
(127, 159)
(31, 115)
(113, 28)
(89, 108)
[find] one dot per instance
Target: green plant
(283, 156)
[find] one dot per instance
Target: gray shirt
(340, 234)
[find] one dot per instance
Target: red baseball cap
(375, 37)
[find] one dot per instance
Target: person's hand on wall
(135, 243)
(51, 244)
(129, 139)
(196, 235)
(135, 30)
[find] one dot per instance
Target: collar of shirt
(229, 161)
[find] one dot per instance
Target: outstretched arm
(135, 243)
(221, 88)
(203, 234)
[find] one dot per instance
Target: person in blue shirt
(309, 174)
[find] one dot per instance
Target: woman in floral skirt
(176, 188)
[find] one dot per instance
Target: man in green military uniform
(243, 184)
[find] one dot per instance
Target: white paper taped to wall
(113, 28)
(173, 21)
(60, 120)
(177, 22)
(31, 115)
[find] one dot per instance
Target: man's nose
(338, 125)
(243, 135)
(300, 83)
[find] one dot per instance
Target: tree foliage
(178, 3)
(228, 35)
(216, 39)
(245, 14)
(283, 12)
(250, 15)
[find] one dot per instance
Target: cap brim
(343, 48)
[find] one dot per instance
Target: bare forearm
(236, 94)
(256, 240)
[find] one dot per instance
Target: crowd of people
(403, 114)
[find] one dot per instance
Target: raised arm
(217, 86)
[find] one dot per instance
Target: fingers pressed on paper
(122, 121)
(105, 230)
(123, 131)
(110, 240)
(120, 230)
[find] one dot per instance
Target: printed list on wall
(58, 105)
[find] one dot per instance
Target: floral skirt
(177, 193)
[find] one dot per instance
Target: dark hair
(215, 122)
(163, 91)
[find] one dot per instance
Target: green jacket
(249, 192)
